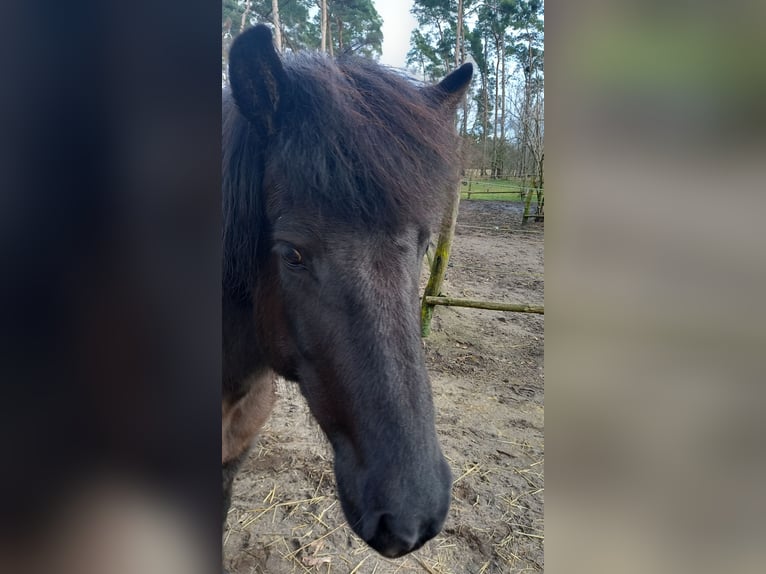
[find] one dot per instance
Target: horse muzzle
(397, 512)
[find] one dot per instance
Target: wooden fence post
(439, 265)
(527, 202)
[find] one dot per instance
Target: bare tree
(527, 122)
(536, 141)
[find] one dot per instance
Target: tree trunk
(502, 100)
(225, 45)
(459, 59)
(541, 195)
(526, 144)
(494, 126)
(485, 125)
(277, 25)
(245, 14)
(339, 23)
(323, 26)
(485, 128)
(459, 34)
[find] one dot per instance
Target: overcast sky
(398, 24)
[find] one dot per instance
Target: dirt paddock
(486, 369)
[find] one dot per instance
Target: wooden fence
(439, 257)
(524, 191)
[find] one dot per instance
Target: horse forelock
(362, 142)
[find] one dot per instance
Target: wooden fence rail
(491, 305)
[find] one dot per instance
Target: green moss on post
(527, 202)
(439, 264)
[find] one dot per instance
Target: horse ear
(450, 91)
(258, 79)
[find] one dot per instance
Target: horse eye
(295, 257)
(292, 256)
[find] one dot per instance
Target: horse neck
(243, 353)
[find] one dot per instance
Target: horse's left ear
(450, 91)
(257, 76)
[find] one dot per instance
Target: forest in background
(502, 121)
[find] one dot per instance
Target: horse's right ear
(257, 77)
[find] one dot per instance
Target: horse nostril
(393, 541)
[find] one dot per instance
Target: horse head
(354, 166)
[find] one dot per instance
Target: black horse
(334, 173)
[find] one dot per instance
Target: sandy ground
(486, 369)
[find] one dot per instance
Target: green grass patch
(514, 197)
(493, 190)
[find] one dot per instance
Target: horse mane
(242, 205)
(356, 141)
